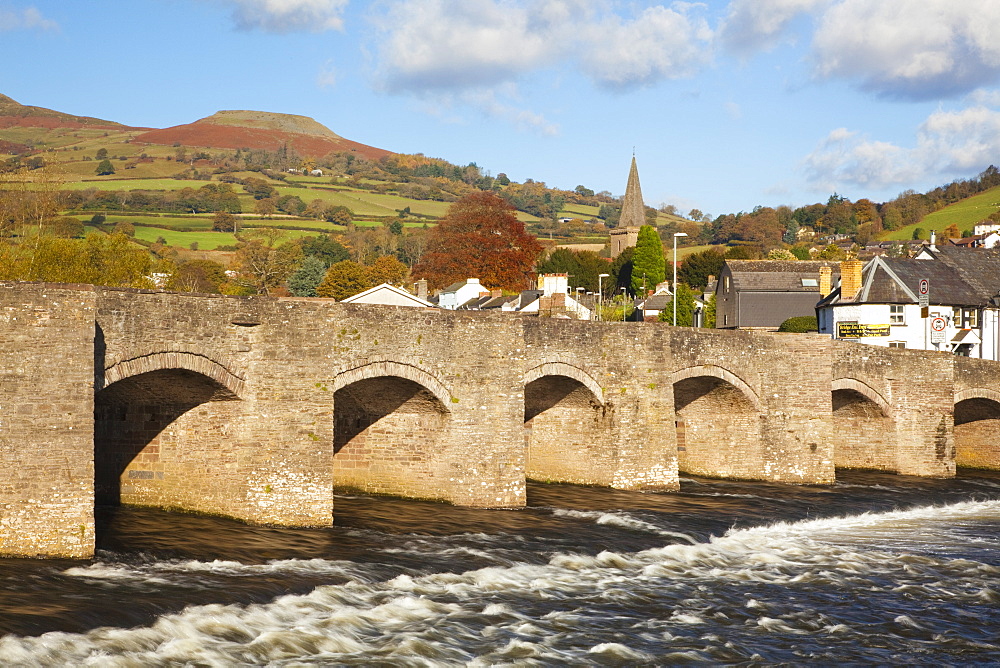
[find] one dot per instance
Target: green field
(965, 213)
(205, 240)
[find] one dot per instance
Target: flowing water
(878, 569)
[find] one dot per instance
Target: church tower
(633, 216)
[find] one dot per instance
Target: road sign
(925, 286)
(938, 325)
(923, 297)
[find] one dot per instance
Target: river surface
(877, 569)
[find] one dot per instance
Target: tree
(685, 307)
(102, 154)
(67, 227)
(951, 232)
(126, 228)
(480, 237)
(261, 263)
(325, 248)
(224, 222)
(387, 269)
(648, 264)
(697, 267)
(621, 272)
(198, 276)
(264, 207)
(304, 280)
(695, 214)
(781, 254)
(105, 168)
(339, 215)
(344, 279)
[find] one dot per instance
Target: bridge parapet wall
(46, 428)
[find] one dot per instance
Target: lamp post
(676, 234)
(623, 303)
(600, 296)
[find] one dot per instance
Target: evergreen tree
(105, 168)
(305, 279)
(685, 307)
(648, 265)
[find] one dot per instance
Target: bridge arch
(864, 424)
(389, 368)
(152, 413)
(718, 421)
(566, 431)
(977, 428)
(391, 421)
(175, 361)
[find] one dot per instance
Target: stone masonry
(259, 408)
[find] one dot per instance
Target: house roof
(978, 267)
(388, 295)
(897, 281)
(778, 275)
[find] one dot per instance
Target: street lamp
(623, 303)
(676, 234)
(600, 295)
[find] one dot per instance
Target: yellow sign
(852, 330)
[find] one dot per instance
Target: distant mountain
(261, 130)
(14, 114)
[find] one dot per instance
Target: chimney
(933, 240)
(422, 288)
(496, 293)
(825, 281)
(850, 279)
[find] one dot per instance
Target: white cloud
(283, 16)
(919, 49)
(946, 144)
(28, 18)
(469, 44)
(658, 44)
(327, 76)
(759, 25)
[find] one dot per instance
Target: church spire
(633, 210)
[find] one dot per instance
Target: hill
(260, 130)
(964, 213)
(15, 114)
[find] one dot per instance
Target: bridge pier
(46, 425)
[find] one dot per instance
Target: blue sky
(728, 104)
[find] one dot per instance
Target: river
(877, 569)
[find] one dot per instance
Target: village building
(633, 215)
(881, 303)
(762, 294)
(387, 295)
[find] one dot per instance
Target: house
(387, 295)
(985, 240)
(762, 294)
(457, 294)
(879, 303)
(552, 299)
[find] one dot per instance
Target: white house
(461, 292)
(387, 295)
(879, 303)
(553, 298)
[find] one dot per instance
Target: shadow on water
(46, 595)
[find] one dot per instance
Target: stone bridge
(259, 408)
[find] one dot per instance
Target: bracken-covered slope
(14, 114)
(263, 130)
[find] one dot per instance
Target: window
(897, 344)
(725, 284)
(810, 283)
(896, 314)
(964, 318)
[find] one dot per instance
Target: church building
(633, 216)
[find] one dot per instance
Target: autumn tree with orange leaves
(482, 238)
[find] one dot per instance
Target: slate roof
(777, 275)
(959, 280)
